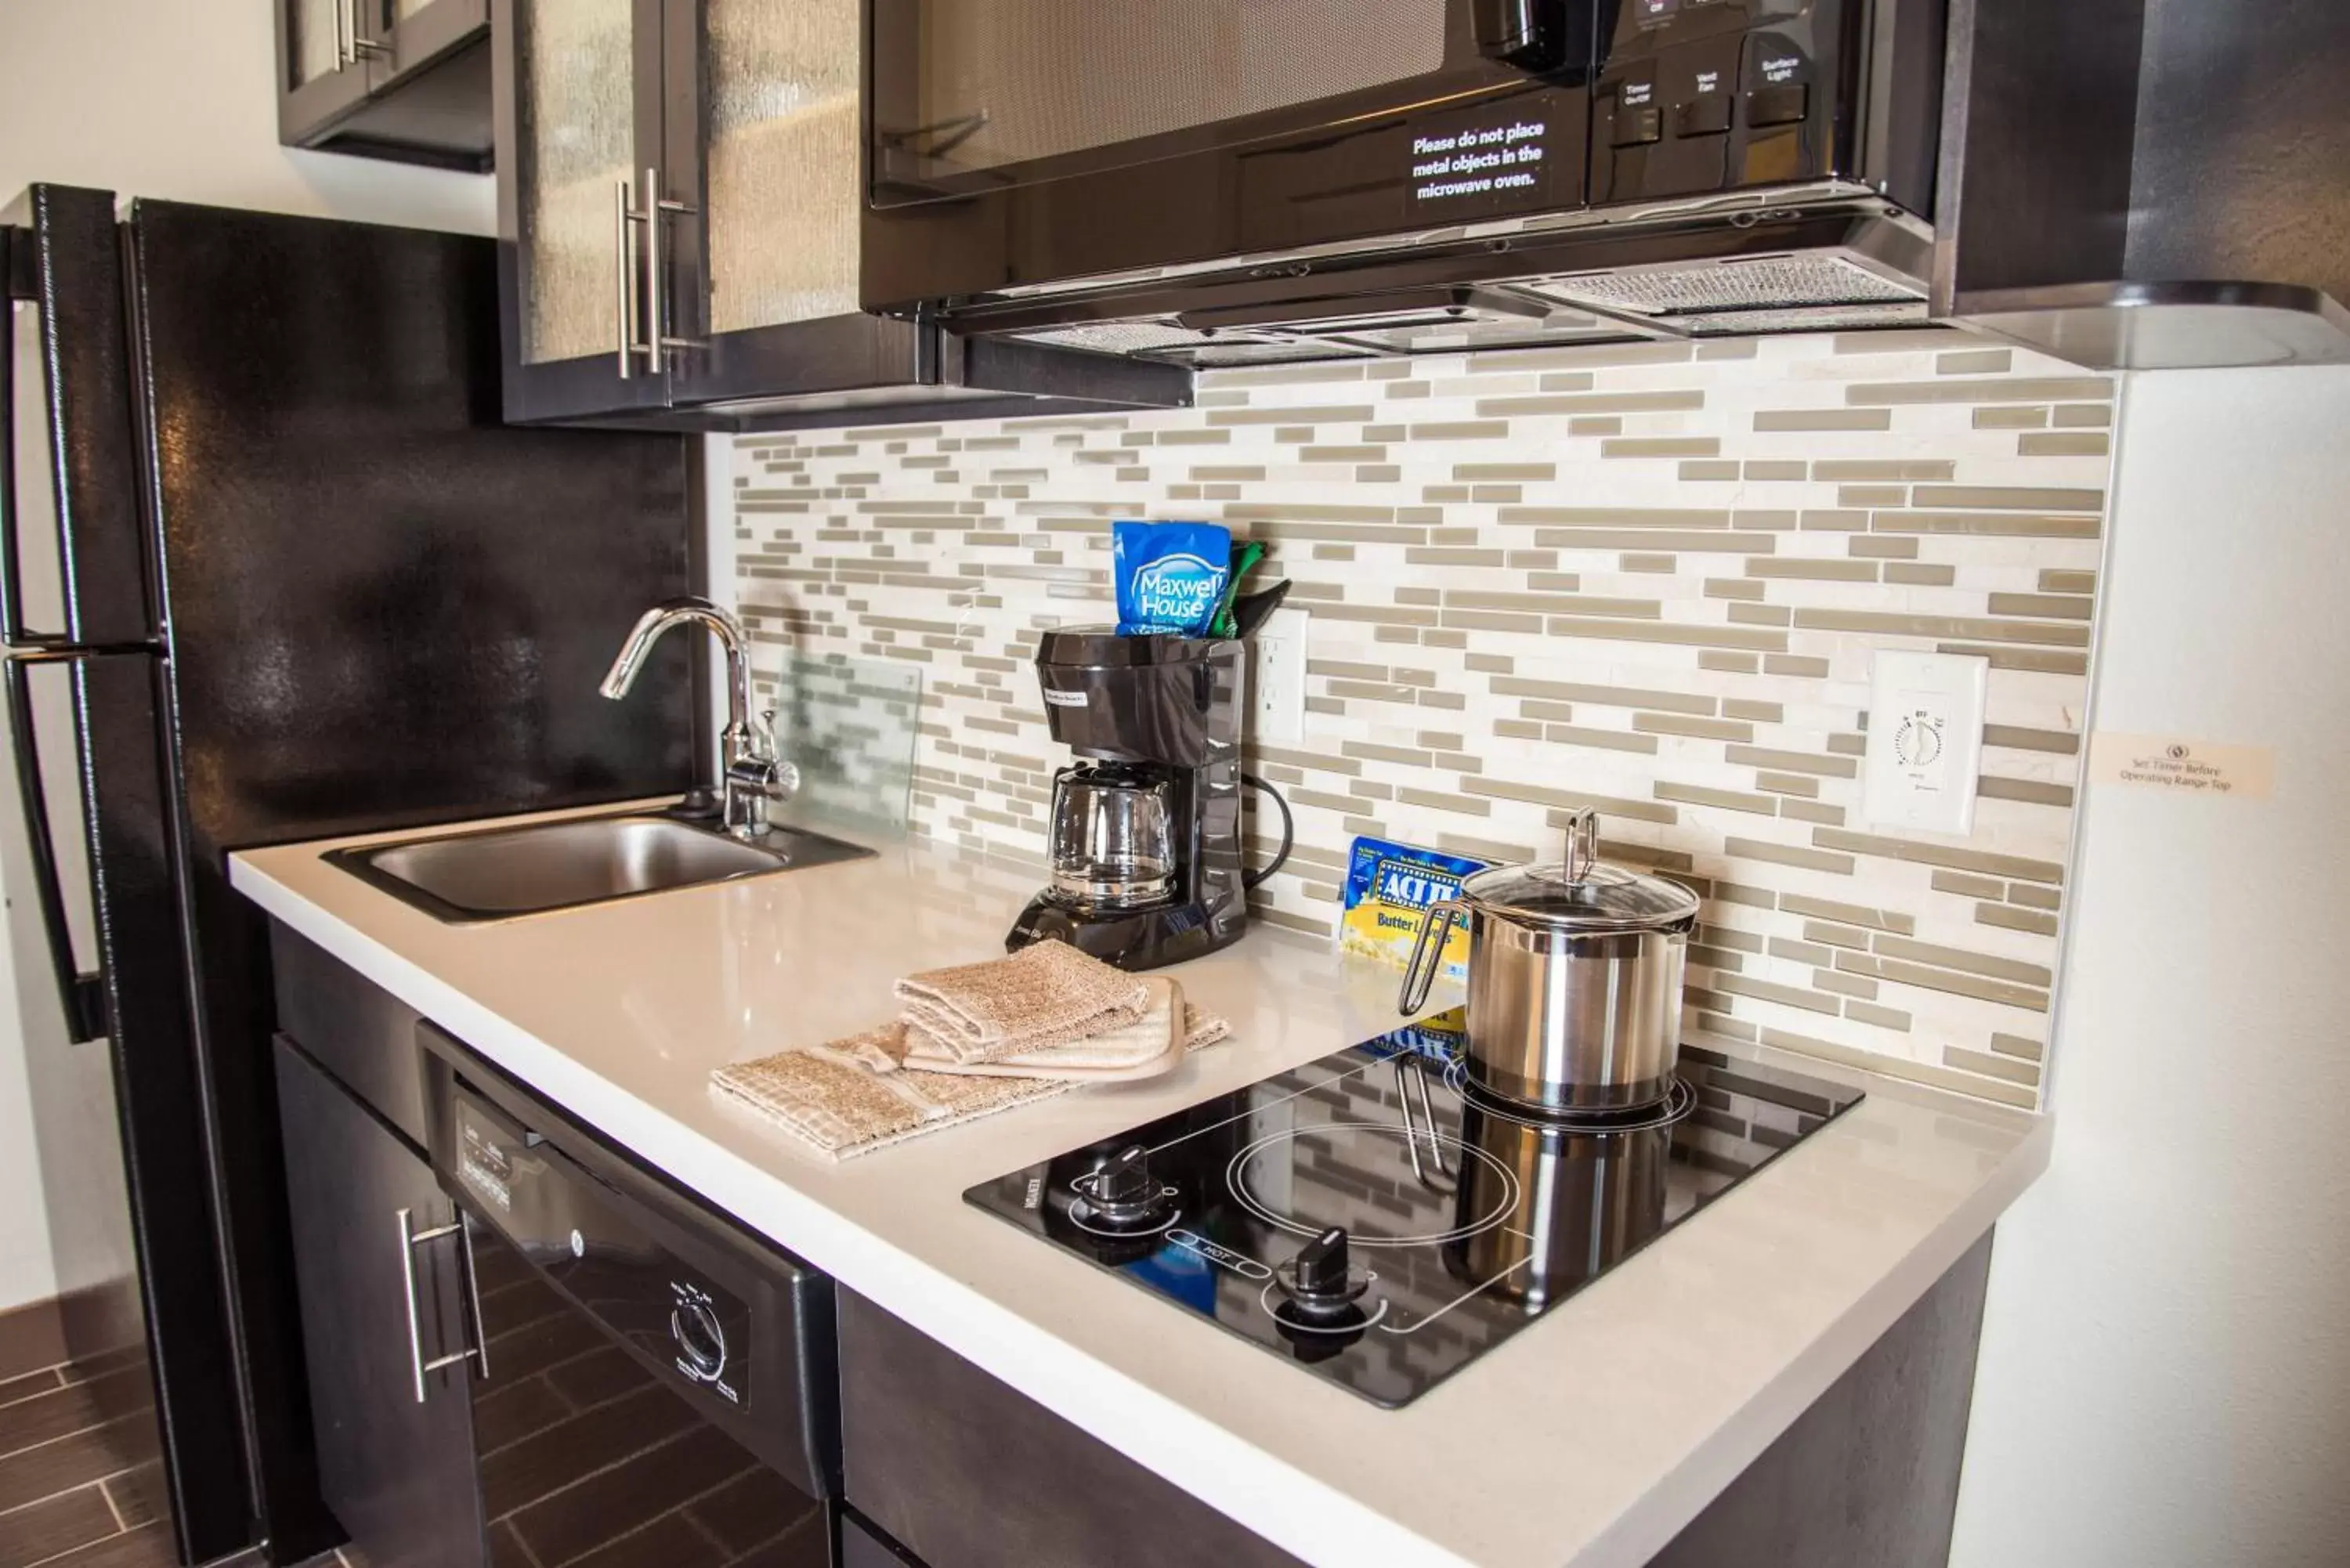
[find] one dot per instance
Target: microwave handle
(1530, 34)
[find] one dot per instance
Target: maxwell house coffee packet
(1387, 888)
(1170, 576)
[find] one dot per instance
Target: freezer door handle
(20, 259)
(82, 992)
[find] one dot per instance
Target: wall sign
(2182, 767)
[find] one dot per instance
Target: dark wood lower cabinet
(398, 1473)
(967, 1473)
(1867, 1477)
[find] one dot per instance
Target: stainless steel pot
(1585, 1202)
(1575, 978)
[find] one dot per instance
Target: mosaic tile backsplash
(1648, 578)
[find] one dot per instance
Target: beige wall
(157, 98)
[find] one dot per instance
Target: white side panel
(2168, 1342)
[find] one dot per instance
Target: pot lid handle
(1582, 849)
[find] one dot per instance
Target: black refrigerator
(274, 571)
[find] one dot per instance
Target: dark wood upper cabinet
(680, 188)
(407, 80)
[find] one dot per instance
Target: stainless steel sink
(505, 872)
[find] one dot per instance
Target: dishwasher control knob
(701, 1342)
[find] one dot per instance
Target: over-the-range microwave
(1236, 182)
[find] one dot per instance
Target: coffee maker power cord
(1251, 880)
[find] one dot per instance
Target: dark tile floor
(81, 1486)
(586, 1459)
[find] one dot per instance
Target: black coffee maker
(1145, 834)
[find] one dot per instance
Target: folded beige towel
(857, 1095)
(1150, 1038)
(853, 1096)
(1044, 996)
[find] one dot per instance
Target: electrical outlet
(1277, 677)
(1925, 741)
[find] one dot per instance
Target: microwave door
(1018, 145)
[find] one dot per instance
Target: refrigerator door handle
(82, 992)
(20, 262)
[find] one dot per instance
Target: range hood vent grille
(1121, 337)
(1767, 282)
(1810, 318)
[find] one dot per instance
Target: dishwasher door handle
(411, 1238)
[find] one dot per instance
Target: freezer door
(110, 1053)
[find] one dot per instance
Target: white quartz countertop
(1588, 1439)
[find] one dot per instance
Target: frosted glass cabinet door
(781, 159)
(316, 32)
(575, 130)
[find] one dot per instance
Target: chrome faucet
(751, 775)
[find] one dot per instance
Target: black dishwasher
(654, 1386)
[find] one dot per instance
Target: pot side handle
(1419, 976)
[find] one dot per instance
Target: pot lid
(1581, 893)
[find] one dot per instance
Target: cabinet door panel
(315, 37)
(574, 89)
(420, 32)
(398, 1474)
(781, 159)
(322, 76)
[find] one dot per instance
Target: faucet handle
(784, 775)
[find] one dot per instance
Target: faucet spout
(749, 773)
(667, 617)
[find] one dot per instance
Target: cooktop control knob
(1125, 1180)
(1123, 1196)
(701, 1342)
(1320, 1278)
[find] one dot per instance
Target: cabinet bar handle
(410, 1238)
(659, 340)
(344, 57)
(656, 315)
(624, 300)
(361, 43)
(474, 1292)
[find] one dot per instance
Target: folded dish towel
(854, 1096)
(1150, 1045)
(1044, 996)
(871, 1090)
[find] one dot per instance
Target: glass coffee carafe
(1113, 835)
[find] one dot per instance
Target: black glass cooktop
(1373, 1219)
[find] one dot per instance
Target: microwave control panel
(1697, 96)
